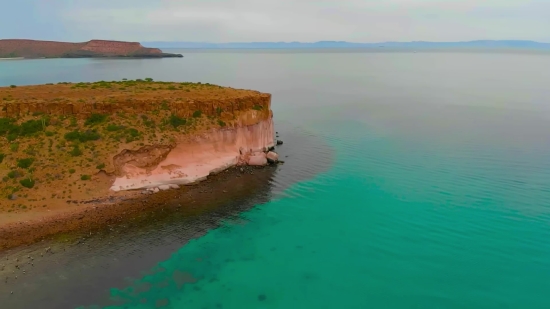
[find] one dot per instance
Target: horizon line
(355, 42)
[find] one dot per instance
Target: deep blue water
(436, 194)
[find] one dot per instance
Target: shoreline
(94, 215)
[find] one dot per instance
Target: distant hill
(16, 48)
(342, 44)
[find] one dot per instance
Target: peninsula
(72, 144)
(16, 48)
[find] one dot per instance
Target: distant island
(17, 48)
(487, 44)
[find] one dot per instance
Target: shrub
(7, 125)
(2, 157)
(11, 137)
(76, 151)
(14, 147)
(27, 183)
(13, 86)
(13, 174)
(258, 107)
(72, 170)
(72, 136)
(89, 136)
(32, 126)
(148, 79)
(25, 163)
(176, 121)
(82, 136)
(132, 135)
(95, 119)
(197, 114)
(85, 177)
(114, 128)
(73, 122)
(100, 166)
(49, 133)
(221, 123)
(219, 111)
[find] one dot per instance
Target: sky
(276, 20)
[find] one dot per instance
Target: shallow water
(419, 181)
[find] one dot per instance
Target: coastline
(77, 163)
(91, 216)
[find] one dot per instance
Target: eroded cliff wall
(82, 140)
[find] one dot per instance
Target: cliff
(95, 48)
(83, 141)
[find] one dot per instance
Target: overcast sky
(276, 20)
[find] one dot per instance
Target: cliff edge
(14, 48)
(80, 142)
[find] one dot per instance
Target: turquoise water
(395, 223)
(437, 196)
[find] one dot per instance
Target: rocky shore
(91, 216)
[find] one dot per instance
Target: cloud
(289, 20)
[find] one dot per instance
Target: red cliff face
(117, 47)
(36, 49)
(93, 48)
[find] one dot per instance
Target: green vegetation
(197, 114)
(132, 135)
(100, 166)
(72, 171)
(82, 136)
(32, 126)
(95, 119)
(113, 128)
(2, 156)
(75, 152)
(27, 183)
(85, 177)
(176, 121)
(13, 174)
(258, 107)
(221, 123)
(219, 111)
(27, 128)
(14, 147)
(7, 125)
(13, 86)
(25, 163)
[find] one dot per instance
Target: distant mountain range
(514, 44)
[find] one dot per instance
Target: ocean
(412, 180)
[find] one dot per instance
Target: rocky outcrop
(192, 160)
(127, 135)
(145, 158)
(94, 48)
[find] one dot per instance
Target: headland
(71, 146)
(19, 48)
